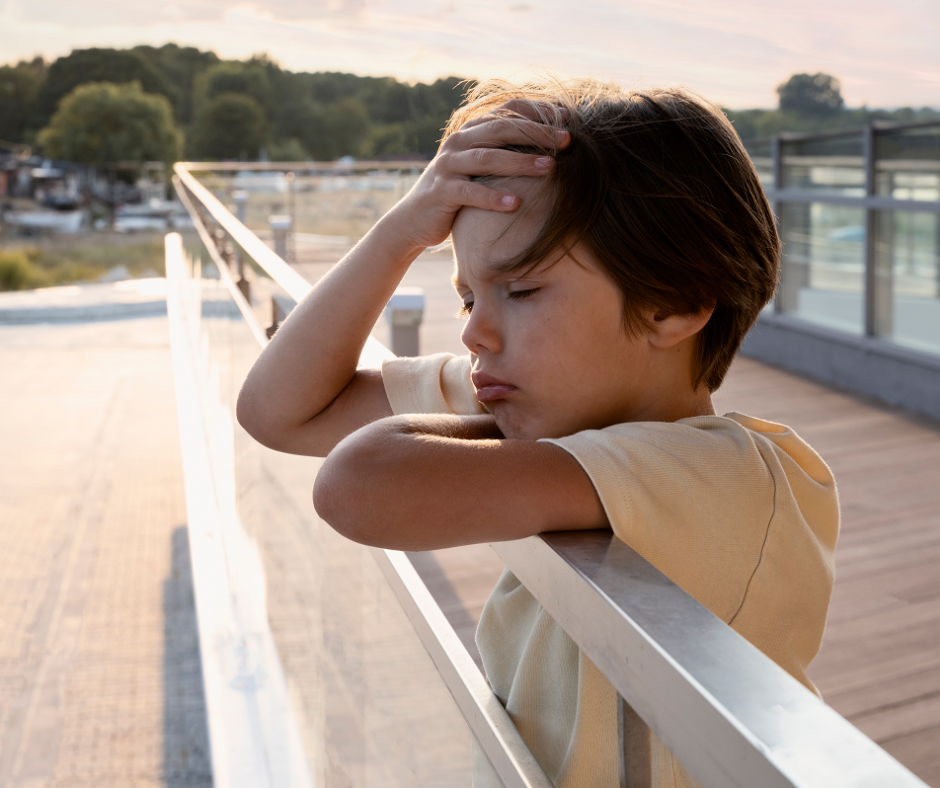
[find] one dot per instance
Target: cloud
(110, 13)
(732, 52)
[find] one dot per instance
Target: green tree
(97, 65)
(104, 122)
(340, 129)
(179, 66)
(229, 126)
(287, 150)
(19, 86)
(248, 79)
(814, 95)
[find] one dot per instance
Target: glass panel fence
(823, 274)
(907, 163)
(907, 278)
(329, 210)
(371, 707)
(831, 164)
(761, 153)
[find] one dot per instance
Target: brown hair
(657, 187)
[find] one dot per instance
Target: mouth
(490, 389)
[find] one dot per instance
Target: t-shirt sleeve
(694, 498)
(740, 513)
(431, 384)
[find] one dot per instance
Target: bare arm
(426, 482)
(304, 394)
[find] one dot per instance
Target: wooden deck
(880, 661)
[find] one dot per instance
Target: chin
(522, 429)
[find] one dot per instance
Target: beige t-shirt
(741, 513)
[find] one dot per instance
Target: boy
(611, 249)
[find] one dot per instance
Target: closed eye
(519, 295)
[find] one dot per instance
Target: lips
(490, 389)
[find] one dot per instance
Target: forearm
(425, 482)
(314, 354)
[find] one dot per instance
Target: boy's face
(550, 355)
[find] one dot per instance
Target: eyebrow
(490, 272)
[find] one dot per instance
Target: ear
(669, 330)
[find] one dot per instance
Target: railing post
(636, 767)
(879, 269)
(293, 217)
(776, 153)
(240, 198)
(404, 312)
(280, 226)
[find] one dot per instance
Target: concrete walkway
(100, 680)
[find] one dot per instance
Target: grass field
(27, 263)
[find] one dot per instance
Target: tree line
(814, 102)
(162, 103)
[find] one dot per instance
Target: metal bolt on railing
(405, 312)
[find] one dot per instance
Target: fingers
(539, 111)
(495, 131)
(475, 195)
(497, 162)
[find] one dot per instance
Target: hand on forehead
(484, 240)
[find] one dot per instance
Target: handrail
(728, 713)
(870, 202)
(850, 131)
(731, 716)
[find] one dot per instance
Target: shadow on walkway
(186, 755)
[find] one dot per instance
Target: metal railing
(731, 716)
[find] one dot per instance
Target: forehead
(484, 241)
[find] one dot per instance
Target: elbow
(247, 415)
(260, 421)
(341, 492)
(351, 490)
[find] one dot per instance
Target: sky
(734, 52)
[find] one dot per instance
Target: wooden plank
(919, 751)
(882, 695)
(864, 673)
(902, 617)
(903, 719)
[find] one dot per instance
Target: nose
(482, 332)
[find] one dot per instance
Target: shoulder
(697, 497)
(709, 445)
(658, 451)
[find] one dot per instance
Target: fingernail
(543, 162)
(508, 200)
